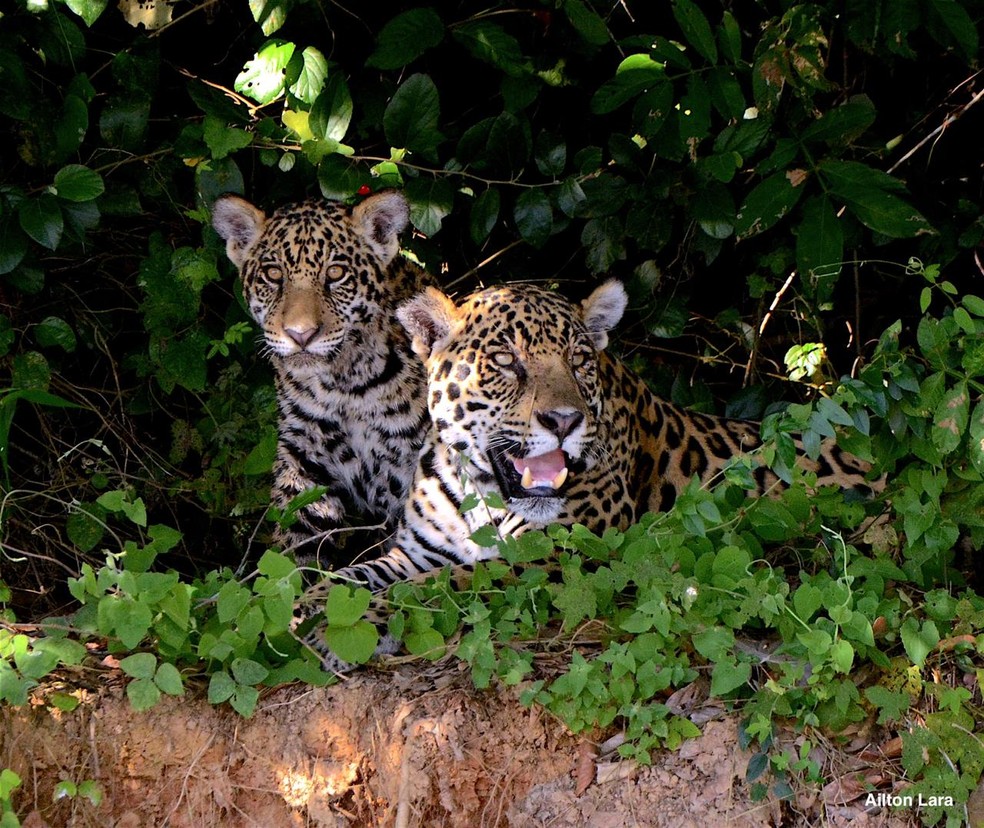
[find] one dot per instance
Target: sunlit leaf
(310, 78)
(88, 10)
(262, 78)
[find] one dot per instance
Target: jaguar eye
(579, 359)
(504, 359)
(336, 273)
(272, 273)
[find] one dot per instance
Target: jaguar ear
(382, 217)
(239, 223)
(603, 310)
(430, 319)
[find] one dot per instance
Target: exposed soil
(410, 747)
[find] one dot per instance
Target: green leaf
(66, 650)
(976, 447)
(768, 203)
(354, 643)
(918, 640)
(605, 240)
(870, 195)
(143, 694)
(695, 28)
(168, 680)
(72, 126)
(842, 656)
(88, 10)
(41, 218)
(261, 457)
(892, 706)
(411, 118)
(406, 37)
(842, 124)
(951, 418)
(130, 620)
(331, 113)
(431, 199)
(428, 643)
(635, 74)
(485, 536)
(244, 700)
(728, 676)
(714, 643)
(820, 245)
(950, 23)
(220, 687)
(310, 79)
(76, 182)
(534, 217)
(123, 122)
(163, 538)
(274, 565)
(484, 215)
(249, 672)
(9, 782)
(262, 78)
(550, 154)
(139, 665)
(223, 140)
(232, 598)
(587, 22)
(714, 210)
(346, 605)
(91, 790)
(13, 245)
(270, 14)
(806, 601)
(729, 37)
(489, 42)
(54, 330)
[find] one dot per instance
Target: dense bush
(767, 178)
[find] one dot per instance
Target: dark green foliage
(753, 174)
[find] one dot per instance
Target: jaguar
(323, 280)
(535, 421)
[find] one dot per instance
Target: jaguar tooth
(527, 480)
(561, 477)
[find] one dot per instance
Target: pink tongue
(542, 466)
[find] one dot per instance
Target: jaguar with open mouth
(534, 475)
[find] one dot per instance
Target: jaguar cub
(526, 405)
(323, 281)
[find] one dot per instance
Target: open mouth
(537, 475)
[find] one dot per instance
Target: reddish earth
(410, 747)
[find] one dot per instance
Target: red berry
(364, 190)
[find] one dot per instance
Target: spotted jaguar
(323, 281)
(530, 415)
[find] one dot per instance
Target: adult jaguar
(323, 280)
(525, 405)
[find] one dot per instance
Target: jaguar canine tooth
(527, 480)
(558, 481)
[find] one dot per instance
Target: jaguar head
(313, 272)
(514, 386)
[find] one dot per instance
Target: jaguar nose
(560, 423)
(302, 336)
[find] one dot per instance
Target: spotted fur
(518, 377)
(323, 281)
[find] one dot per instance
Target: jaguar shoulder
(526, 405)
(323, 281)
